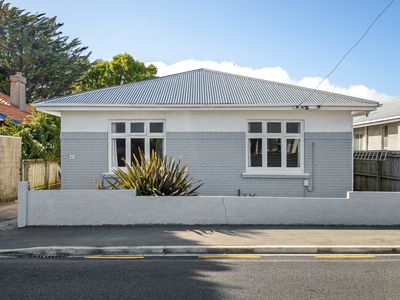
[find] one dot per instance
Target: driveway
(8, 215)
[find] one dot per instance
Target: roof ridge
(120, 85)
(283, 84)
(215, 71)
(196, 78)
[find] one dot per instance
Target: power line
(348, 52)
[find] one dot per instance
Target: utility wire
(347, 53)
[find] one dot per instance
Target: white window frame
(146, 135)
(283, 136)
(383, 129)
(358, 141)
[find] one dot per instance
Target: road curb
(83, 251)
(282, 249)
(194, 250)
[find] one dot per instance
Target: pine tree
(34, 45)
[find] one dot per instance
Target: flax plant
(157, 176)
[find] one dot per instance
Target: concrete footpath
(86, 240)
(8, 215)
(8, 210)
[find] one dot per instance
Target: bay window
(274, 146)
(130, 137)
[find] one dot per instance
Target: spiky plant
(157, 176)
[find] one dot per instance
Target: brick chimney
(17, 90)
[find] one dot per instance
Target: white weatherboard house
(380, 130)
(238, 134)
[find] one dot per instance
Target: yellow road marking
(225, 256)
(113, 257)
(355, 256)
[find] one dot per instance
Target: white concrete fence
(113, 207)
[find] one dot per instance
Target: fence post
(379, 175)
(47, 174)
(25, 170)
(23, 188)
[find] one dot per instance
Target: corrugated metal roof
(207, 87)
(387, 110)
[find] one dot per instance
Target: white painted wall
(96, 207)
(374, 137)
(207, 121)
(393, 136)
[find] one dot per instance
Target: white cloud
(270, 73)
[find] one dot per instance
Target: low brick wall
(10, 166)
(102, 207)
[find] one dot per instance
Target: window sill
(250, 175)
(109, 174)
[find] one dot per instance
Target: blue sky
(304, 39)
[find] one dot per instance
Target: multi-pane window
(358, 141)
(129, 138)
(274, 145)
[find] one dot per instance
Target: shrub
(40, 135)
(157, 176)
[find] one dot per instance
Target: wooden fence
(41, 174)
(377, 171)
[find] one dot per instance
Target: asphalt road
(193, 278)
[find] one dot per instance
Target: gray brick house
(239, 134)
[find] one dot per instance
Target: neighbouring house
(14, 106)
(379, 130)
(240, 135)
